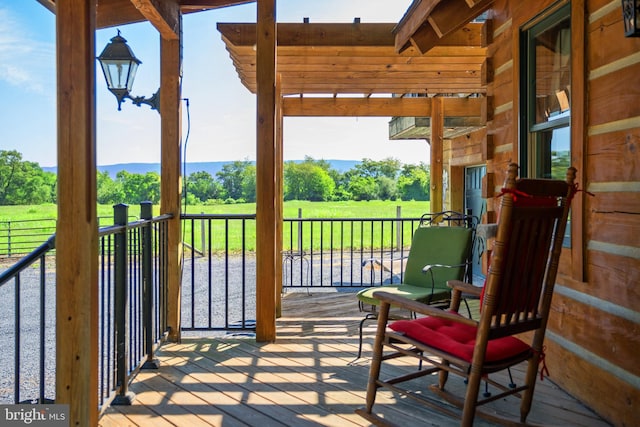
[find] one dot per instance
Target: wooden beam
(378, 107)
(267, 252)
(412, 20)
(164, 15)
(426, 38)
(197, 5)
(301, 34)
(451, 15)
(356, 107)
(77, 226)
(49, 4)
(111, 13)
(279, 140)
(436, 155)
(579, 125)
(429, 21)
(170, 167)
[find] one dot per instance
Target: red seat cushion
(458, 339)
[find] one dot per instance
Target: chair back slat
(526, 253)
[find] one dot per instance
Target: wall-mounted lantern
(119, 66)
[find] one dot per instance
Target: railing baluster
(146, 214)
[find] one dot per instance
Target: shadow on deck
(305, 378)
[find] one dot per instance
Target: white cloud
(24, 61)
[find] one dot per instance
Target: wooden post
(437, 135)
(279, 192)
(76, 229)
(266, 207)
(171, 188)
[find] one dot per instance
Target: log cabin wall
(594, 329)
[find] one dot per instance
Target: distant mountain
(211, 167)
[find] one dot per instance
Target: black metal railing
(335, 253)
(218, 288)
(21, 237)
(27, 329)
(218, 283)
(132, 311)
(132, 286)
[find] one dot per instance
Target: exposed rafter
(163, 15)
(428, 23)
(359, 58)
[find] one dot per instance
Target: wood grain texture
(616, 400)
(76, 230)
(307, 378)
(266, 171)
(618, 342)
(170, 167)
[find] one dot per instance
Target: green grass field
(28, 226)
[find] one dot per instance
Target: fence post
(146, 213)
(204, 250)
(121, 303)
(398, 227)
(300, 231)
(9, 238)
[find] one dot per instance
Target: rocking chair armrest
(466, 288)
(387, 298)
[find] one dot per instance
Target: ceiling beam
(164, 15)
(197, 5)
(425, 38)
(49, 4)
(412, 20)
(428, 22)
(111, 13)
(454, 14)
(311, 35)
(378, 107)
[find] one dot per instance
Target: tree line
(25, 183)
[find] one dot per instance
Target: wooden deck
(305, 379)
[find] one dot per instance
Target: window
(545, 121)
(545, 143)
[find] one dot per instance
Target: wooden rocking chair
(516, 299)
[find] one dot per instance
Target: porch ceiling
(111, 13)
(360, 58)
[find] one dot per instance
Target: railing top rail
(353, 219)
(25, 262)
(218, 216)
(113, 229)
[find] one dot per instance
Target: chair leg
(369, 316)
(530, 382)
(376, 361)
(443, 375)
(471, 398)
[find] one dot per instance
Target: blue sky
(222, 111)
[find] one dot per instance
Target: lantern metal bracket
(153, 101)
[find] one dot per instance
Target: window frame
(573, 262)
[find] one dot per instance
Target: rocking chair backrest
(526, 252)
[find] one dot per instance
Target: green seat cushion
(416, 293)
(436, 246)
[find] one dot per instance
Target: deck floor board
(308, 377)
